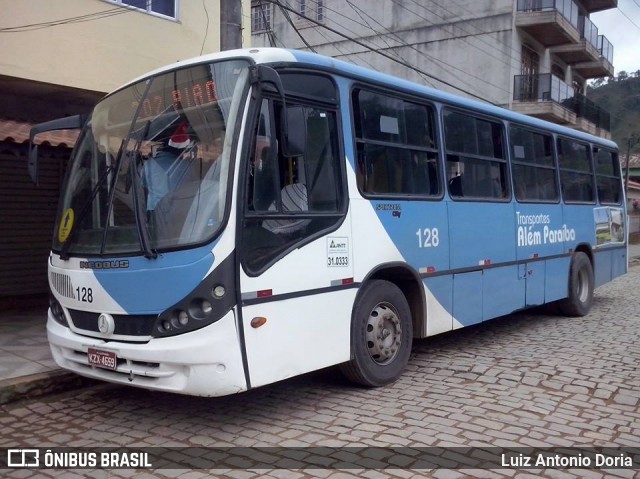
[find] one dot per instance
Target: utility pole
(230, 24)
(631, 142)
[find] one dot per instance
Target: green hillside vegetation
(620, 96)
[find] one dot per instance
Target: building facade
(532, 56)
(58, 58)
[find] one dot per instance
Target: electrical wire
(118, 10)
(511, 63)
(628, 18)
(431, 58)
(368, 47)
(424, 55)
(206, 31)
(346, 28)
(384, 54)
(342, 52)
(288, 18)
(267, 25)
(358, 11)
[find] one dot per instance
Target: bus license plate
(102, 359)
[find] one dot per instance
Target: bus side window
(455, 171)
(534, 171)
(396, 147)
(607, 177)
(576, 171)
(475, 157)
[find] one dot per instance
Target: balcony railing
(588, 31)
(567, 8)
(585, 108)
(544, 87)
(548, 87)
(605, 48)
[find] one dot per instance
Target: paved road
(527, 379)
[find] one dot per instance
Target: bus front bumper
(205, 362)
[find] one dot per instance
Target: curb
(41, 384)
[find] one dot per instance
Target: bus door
(538, 215)
(296, 275)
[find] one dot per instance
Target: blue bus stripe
(330, 289)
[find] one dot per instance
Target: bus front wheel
(581, 285)
(381, 335)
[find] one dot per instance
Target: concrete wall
(467, 44)
(102, 54)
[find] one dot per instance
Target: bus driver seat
(294, 199)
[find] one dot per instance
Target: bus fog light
(219, 292)
(206, 306)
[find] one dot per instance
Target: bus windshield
(151, 167)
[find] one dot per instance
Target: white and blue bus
(243, 217)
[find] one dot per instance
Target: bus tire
(581, 286)
(381, 335)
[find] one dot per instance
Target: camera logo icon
(23, 458)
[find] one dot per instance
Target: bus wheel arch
(409, 282)
(382, 328)
(581, 283)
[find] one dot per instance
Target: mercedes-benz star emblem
(106, 324)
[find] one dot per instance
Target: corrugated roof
(634, 161)
(18, 132)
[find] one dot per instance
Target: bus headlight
(206, 304)
(57, 312)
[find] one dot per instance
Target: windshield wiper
(141, 220)
(64, 251)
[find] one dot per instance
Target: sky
(622, 33)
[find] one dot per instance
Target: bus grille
(125, 324)
(62, 284)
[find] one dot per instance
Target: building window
(313, 9)
(165, 8)
(260, 17)
(530, 61)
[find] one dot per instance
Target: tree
(623, 75)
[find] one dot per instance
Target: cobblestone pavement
(529, 379)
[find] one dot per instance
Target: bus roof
(268, 55)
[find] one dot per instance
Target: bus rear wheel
(381, 335)
(581, 286)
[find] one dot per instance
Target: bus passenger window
(607, 177)
(396, 146)
(534, 171)
(476, 163)
(576, 172)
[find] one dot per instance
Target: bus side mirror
(74, 122)
(294, 131)
(293, 121)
